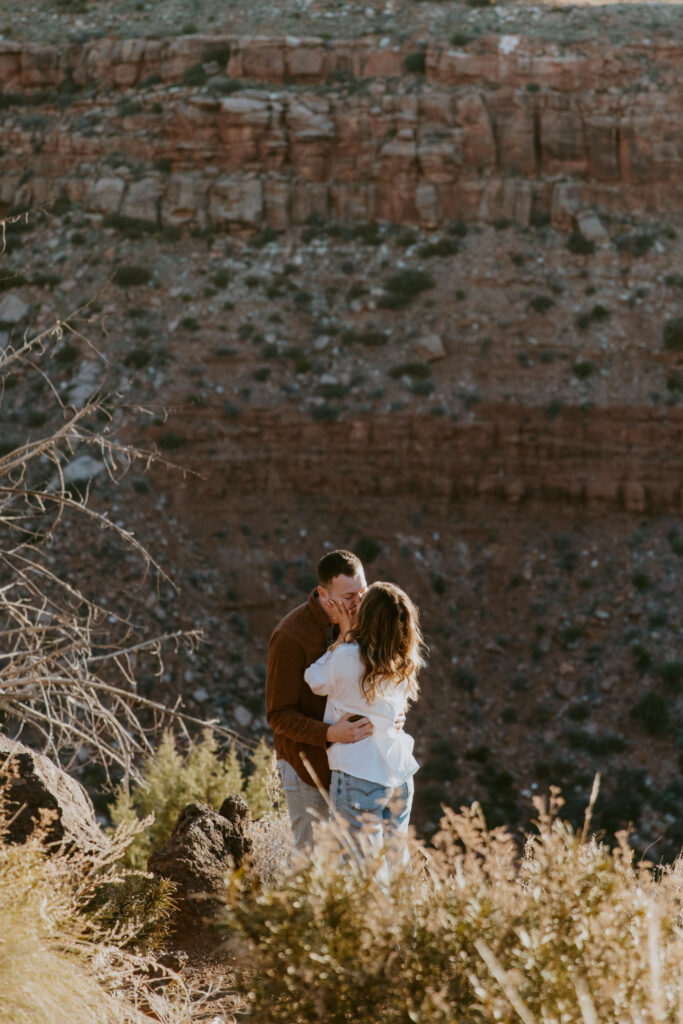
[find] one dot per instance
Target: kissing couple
(342, 672)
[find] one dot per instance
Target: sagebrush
(573, 932)
(171, 779)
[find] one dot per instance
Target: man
(295, 713)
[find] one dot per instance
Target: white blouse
(386, 757)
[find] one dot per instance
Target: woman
(372, 670)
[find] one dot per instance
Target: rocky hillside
(417, 293)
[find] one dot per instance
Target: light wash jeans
(380, 814)
(304, 804)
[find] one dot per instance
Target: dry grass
(573, 933)
(62, 963)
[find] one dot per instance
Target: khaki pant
(305, 805)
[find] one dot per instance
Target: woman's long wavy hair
(392, 648)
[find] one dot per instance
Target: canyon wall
(619, 458)
(507, 126)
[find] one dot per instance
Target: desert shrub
(637, 244)
(194, 76)
(367, 549)
(642, 659)
(417, 371)
(442, 247)
(170, 780)
(470, 933)
(11, 280)
(583, 369)
(403, 286)
(371, 338)
(464, 679)
(541, 303)
(415, 63)
(442, 762)
(326, 413)
(138, 357)
(608, 743)
(579, 244)
(570, 635)
(672, 335)
(129, 276)
(652, 712)
(262, 238)
(671, 672)
(171, 441)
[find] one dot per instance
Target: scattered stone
(591, 227)
(83, 468)
(243, 716)
(84, 384)
(13, 309)
(430, 347)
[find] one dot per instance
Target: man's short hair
(338, 563)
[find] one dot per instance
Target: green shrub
(415, 63)
(131, 227)
(67, 353)
(570, 635)
(541, 303)
(371, 338)
(472, 924)
(460, 39)
(325, 413)
(638, 244)
(403, 286)
(195, 76)
(672, 335)
(583, 369)
(190, 323)
(502, 223)
(443, 247)
(367, 549)
(652, 713)
(171, 780)
(417, 371)
(671, 672)
(261, 373)
(579, 244)
(130, 276)
(138, 357)
(12, 280)
(171, 441)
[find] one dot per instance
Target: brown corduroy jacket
(294, 712)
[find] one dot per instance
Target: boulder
(13, 309)
(429, 347)
(34, 788)
(105, 195)
(142, 200)
(204, 845)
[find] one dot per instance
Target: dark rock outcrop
(203, 846)
(35, 788)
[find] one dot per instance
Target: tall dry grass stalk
(62, 963)
(574, 932)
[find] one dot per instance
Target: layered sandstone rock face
(357, 130)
